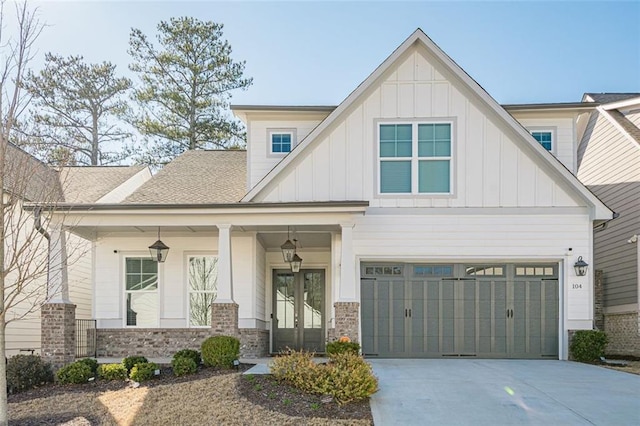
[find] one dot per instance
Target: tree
(185, 88)
(76, 108)
(16, 53)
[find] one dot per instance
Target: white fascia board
(627, 103)
(614, 123)
(113, 196)
(600, 211)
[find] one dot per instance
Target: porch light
(288, 250)
(581, 267)
(159, 250)
(296, 262)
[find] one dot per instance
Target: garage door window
(535, 271)
(484, 270)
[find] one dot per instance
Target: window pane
(395, 176)
(200, 308)
(387, 149)
(149, 266)
(313, 296)
(280, 142)
(434, 140)
(395, 140)
(442, 149)
(142, 309)
(387, 132)
(203, 273)
(404, 149)
(544, 138)
(434, 176)
(442, 131)
(133, 265)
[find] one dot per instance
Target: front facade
(429, 222)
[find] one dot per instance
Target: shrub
(183, 365)
(189, 353)
(92, 363)
(76, 372)
(342, 346)
(347, 378)
(588, 345)
(220, 351)
(143, 371)
(27, 372)
(112, 372)
(130, 361)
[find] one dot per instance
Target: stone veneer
(623, 332)
(58, 338)
(347, 320)
(598, 300)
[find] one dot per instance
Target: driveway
(502, 392)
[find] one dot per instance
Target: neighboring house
(609, 164)
(32, 182)
(429, 222)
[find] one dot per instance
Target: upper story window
(281, 141)
(415, 158)
(545, 137)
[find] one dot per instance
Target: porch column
(347, 307)
(58, 314)
(224, 311)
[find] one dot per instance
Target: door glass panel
(285, 300)
(313, 290)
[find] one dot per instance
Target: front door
(298, 310)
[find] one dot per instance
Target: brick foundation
(224, 319)
(598, 301)
(254, 343)
(58, 338)
(347, 320)
(623, 332)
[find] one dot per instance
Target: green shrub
(143, 371)
(130, 361)
(189, 353)
(92, 363)
(339, 347)
(27, 372)
(220, 351)
(347, 378)
(76, 372)
(112, 372)
(183, 365)
(588, 345)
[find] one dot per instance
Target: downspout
(38, 224)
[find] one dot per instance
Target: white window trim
(187, 255)
(540, 129)
(124, 290)
(282, 131)
(415, 159)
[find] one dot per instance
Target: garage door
(486, 311)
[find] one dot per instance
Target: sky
(316, 53)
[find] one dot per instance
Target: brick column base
(598, 300)
(347, 320)
(58, 338)
(224, 319)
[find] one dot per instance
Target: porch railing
(86, 338)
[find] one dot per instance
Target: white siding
(261, 302)
(79, 270)
(493, 168)
(109, 276)
(610, 167)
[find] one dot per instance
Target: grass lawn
(209, 397)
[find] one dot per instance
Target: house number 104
(576, 286)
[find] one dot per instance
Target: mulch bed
(266, 391)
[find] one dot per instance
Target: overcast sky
(316, 53)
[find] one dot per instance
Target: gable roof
(605, 98)
(196, 177)
(29, 178)
(87, 184)
(600, 210)
(625, 124)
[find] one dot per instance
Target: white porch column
(347, 291)
(225, 278)
(57, 277)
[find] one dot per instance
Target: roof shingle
(605, 98)
(196, 177)
(87, 184)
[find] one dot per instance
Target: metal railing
(86, 338)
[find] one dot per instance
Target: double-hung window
(141, 292)
(545, 138)
(415, 158)
(202, 277)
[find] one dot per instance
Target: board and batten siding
(109, 276)
(483, 238)
(260, 283)
(260, 162)
(491, 167)
(610, 167)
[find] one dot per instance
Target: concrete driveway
(502, 392)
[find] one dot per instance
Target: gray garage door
(487, 311)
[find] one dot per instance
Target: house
(428, 220)
(28, 180)
(609, 164)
